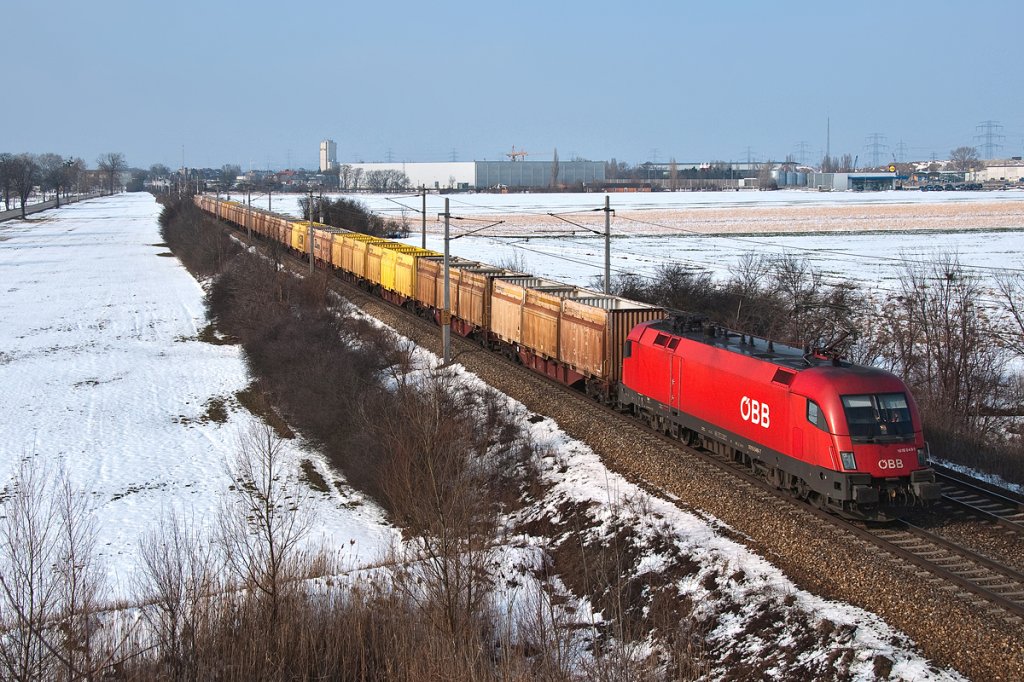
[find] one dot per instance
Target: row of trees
(352, 178)
(22, 175)
(352, 215)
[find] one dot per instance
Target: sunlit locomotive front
(845, 437)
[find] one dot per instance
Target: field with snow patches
(104, 378)
(868, 238)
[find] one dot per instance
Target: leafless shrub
(942, 343)
(50, 583)
(261, 530)
(196, 238)
(179, 583)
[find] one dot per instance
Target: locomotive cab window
(878, 418)
(816, 416)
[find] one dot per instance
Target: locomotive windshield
(878, 418)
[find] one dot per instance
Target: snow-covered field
(103, 377)
(868, 238)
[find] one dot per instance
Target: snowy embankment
(104, 377)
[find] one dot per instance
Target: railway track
(945, 565)
(964, 496)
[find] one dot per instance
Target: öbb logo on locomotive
(890, 464)
(755, 412)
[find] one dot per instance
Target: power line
(846, 254)
(990, 134)
(876, 144)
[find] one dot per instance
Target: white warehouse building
(487, 174)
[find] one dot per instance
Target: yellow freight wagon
(300, 236)
(398, 263)
(356, 253)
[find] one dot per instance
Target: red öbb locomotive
(845, 437)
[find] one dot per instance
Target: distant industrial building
(328, 156)
(464, 175)
(854, 182)
(1007, 171)
(525, 174)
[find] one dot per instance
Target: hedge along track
(877, 574)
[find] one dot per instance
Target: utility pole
(309, 231)
(607, 245)
(446, 314)
(423, 214)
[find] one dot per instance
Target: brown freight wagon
(593, 335)
(474, 296)
(525, 310)
(323, 240)
(430, 280)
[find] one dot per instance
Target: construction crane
(517, 155)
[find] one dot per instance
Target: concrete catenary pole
(446, 316)
(607, 245)
(310, 232)
(423, 214)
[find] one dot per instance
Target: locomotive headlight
(849, 463)
(922, 455)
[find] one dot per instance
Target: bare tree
(7, 170)
(159, 170)
(261, 529)
(673, 175)
(554, 169)
(964, 159)
(112, 164)
(55, 173)
(229, 174)
(344, 175)
(764, 176)
(1011, 294)
(24, 176)
(179, 580)
(944, 346)
(49, 582)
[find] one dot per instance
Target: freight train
(844, 437)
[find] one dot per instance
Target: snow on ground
(104, 378)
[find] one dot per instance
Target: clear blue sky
(261, 83)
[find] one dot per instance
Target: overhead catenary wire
(756, 243)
